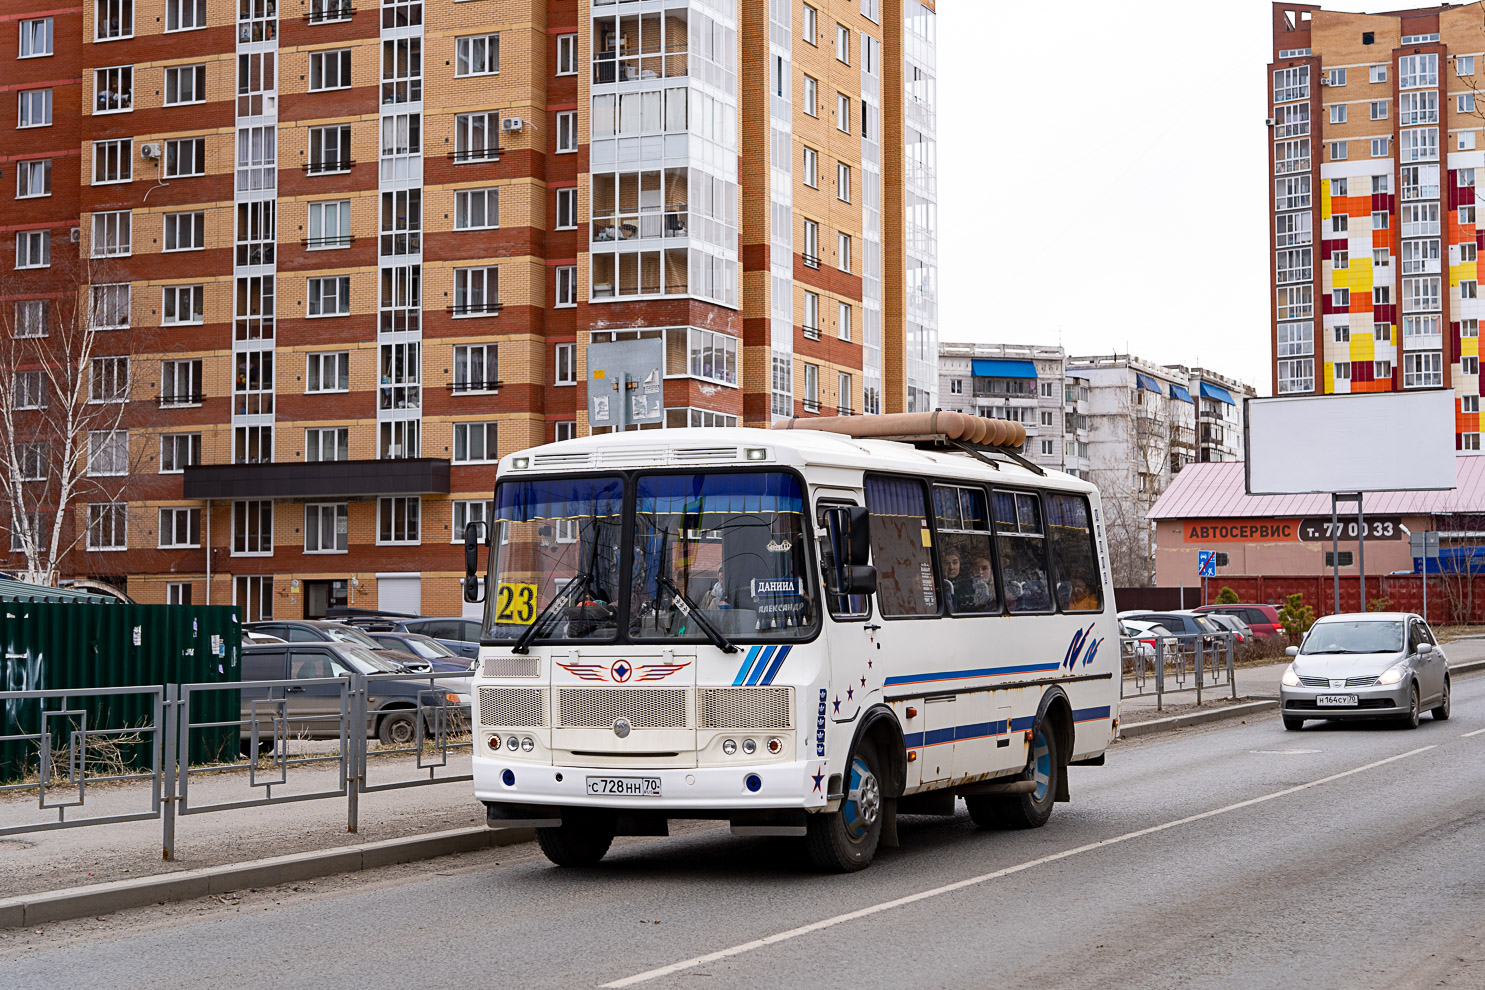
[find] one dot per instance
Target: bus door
(849, 638)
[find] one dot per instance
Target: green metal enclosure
(87, 642)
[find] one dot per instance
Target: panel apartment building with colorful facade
(339, 256)
(1375, 152)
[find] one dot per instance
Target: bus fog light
(494, 742)
(753, 782)
(513, 743)
(729, 746)
(749, 747)
(528, 744)
(776, 745)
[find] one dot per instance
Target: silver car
(1366, 665)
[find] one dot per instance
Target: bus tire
(582, 839)
(1043, 765)
(845, 840)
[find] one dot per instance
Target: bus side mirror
(847, 529)
(474, 535)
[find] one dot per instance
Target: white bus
(802, 633)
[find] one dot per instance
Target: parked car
(1182, 623)
(1262, 619)
(1366, 665)
(326, 631)
(313, 711)
(434, 653)
(1148, 633)
(459, 634)
(251, 636)
(1233, 624)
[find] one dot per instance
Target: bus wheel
(582, 839)
(1025, 810)
(846, 840)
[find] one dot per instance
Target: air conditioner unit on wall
(74, 235)
(149, 151)
(512, 124)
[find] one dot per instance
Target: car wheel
(1441, 713)
(1044, 766)
(1410, 720)
(1293, 724)
(400, 728)
(845, 840)
(582, 839)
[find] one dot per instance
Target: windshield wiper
(689, 610)
(523, 644)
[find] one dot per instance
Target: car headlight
(1290, 678)
(1393, 674)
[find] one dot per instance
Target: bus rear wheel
(582, 839)
(1044, 767)
(845, 840)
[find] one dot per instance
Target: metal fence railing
(286, 730)
(1158, 665)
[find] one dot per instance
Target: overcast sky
(1102, 177)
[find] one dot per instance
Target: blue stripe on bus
(986, 730)
(778, 661)
(959, 675)
(768, 651)
(742, 672)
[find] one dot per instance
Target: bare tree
(66, 378)
(1154, 440)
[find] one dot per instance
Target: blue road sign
(1206, 563)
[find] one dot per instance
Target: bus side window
(1074, 559)
(1023, 551)
(901, 547)
(967, 574)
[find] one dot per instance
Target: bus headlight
(528, 744)
(513, 743)
(729, 746)
(749, 747)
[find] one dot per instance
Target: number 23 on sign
(515, 604)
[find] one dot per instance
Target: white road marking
(793, 933)
(1475, 733)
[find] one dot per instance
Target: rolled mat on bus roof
(950, 425)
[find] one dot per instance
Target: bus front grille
(642, 708)
(745, 708)
(512, 708)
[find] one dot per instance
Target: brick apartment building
(335, 258)
(1375, 133)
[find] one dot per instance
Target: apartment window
(1465, 141)
(1335, 77)
(1377, 73)
(252, 528)
(108, 526)
(1424, 369)
(326, 11)
(33, 178)
(565, 360)
(476, 209)
(1338, 187)
(476, 291)
(185, 231)
(567, 133)
(843, 320)
(30, 318)
(1379, 147)
(1380, 220)
(1340, 298)
(1381, 370)
(781, 384)
(1295, 339)
(1291, 229)
(467, 511)
(1466, 177)
(1381, 184)
(329, 225)
(1343, 371)
(1419, 144)
(1467, 288)
(1469, 441)
(810, 98)
(1339, 223)
(253, 386)
(566, 295)
(328, 371)
(1381, 295)
(328, 443)
(1292, 192)
(30, 389)
(1418, 71)
(1416, 328)
(476, 367)
(843, 182)
(1340, 260)
(330, 149)
(811, 176)
(567, 45)
(1048, 417)
(1380, 258)
(1464, 65)
(33, 249)
(180, 528)
(185, 157)
(33, 461)
(36, 37)
(1469, 403)
(843, 112)
(1465, 103)
(1294, 265)
(712, 356)
(1338, 113)
(809, 25)
(1470, 365)
(1338, 150)
(811, 244)
(566, 430)
(1297, 375)
(477, 55)
(812, 314)
(843, 43)
(252, 445)
(1342, 334)
(183, 304)
(113, 161)
(843, 393)
(326, 527)
(476, 136)
(567, 209)
(113, 89)
(108, 379)
(1469, 328)
(475, 443)
(111, 306)
(108, 453)
(1418, 108)
(256, 239)
(180, 383)
(112, 234)
(1468, 252)
(330, 296)
(397, 519)
(1466, 214)
(402, 70)
(811, 388)
(35, 108)
(1379, 109)
(330, 70)
(185, 15)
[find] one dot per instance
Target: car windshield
(429, 649)
(367, 662)
(1376, 636)
(350, 634)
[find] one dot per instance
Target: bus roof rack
(974, 435)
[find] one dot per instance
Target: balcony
(328, 11)
(318, 479)
(673, 221)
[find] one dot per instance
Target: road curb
(1133, 730)
(103, 898)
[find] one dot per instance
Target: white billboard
(1368, 442)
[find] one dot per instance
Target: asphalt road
(1235, 856)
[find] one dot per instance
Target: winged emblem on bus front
(622, 671)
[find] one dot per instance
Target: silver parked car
(1366, 665)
